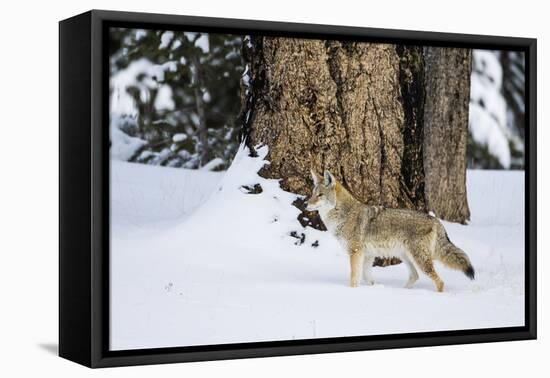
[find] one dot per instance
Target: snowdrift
(197, 260)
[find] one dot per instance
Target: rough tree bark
(447, 73)
(357, 109)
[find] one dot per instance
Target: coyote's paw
(409, 285)
(369, 282)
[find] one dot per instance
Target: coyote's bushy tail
(453, 257)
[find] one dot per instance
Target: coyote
(366, 232)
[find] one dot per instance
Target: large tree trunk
(357, 109)
(447, 73)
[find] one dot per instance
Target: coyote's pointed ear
(329, 179)
(315, 177)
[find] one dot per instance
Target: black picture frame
(84, 193)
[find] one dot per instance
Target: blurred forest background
(175, 101)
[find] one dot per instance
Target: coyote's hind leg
(424, 261)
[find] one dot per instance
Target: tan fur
(367, 232)
(356, 262)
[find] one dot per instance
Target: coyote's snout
(367, 232)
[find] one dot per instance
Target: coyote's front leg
(367, 269)
(356, 262)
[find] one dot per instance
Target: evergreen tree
(497, 110)
(174, 97)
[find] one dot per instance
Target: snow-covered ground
(196, 260)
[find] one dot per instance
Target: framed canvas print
(233, 188)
